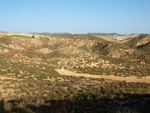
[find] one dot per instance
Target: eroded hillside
(29, 77)
(142, 42)
(78, 53)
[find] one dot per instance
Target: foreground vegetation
(91, 96)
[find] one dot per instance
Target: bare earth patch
(8, 78)
(127, 79)
(7, 88)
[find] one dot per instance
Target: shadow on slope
(126, 103)
(142, 42)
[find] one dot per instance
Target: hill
(142, 42)
(79, 53)
(30, 81)
(114, 37)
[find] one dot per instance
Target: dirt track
(127, 79)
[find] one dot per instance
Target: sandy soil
(127, 79)
(6, 87)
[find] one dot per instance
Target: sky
(75, 16)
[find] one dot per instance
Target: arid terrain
(70, 73)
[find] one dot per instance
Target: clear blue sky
(75, 16)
